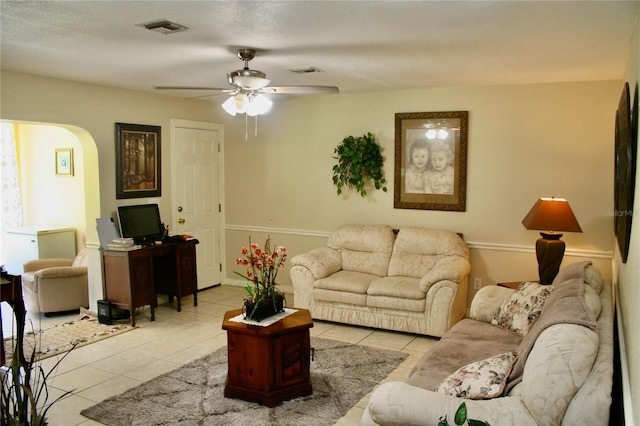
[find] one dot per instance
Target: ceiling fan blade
(300, 90)
(193, 88)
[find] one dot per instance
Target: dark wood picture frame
(138, 161)
(626, 149)
(441, 139)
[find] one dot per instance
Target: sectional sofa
(537, 355)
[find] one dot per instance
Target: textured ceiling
(361, 46)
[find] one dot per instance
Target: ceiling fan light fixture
(250, 82)
(259, 105)
(229, 107)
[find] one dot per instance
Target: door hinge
(221, 267)
(219, 208)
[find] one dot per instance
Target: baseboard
(627, 403)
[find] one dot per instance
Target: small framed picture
(64, 162)
(431, 161)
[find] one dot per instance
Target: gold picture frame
(64, 162)
(437, 179)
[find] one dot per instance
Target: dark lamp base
(549, 252)
(551, 235)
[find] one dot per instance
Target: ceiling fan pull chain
(246, 124)
(256, 127)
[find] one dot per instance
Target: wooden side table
(510, 284)
(269, 364)
(11, 292)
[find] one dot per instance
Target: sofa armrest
(37, 264)
(61, 272)
(398, 403)
(487, 301)
(451, 268)
(321, 261)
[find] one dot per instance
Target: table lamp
(551, 215)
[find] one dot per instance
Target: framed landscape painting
(431, 160)
(137, 161)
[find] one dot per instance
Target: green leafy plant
(359, 162)
(24, 393)
(461, 417)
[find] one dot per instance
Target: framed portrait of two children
(431, 160)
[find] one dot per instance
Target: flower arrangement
(262, 265)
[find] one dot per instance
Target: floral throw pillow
(483, 379)
(522, 309)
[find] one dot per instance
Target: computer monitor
(141, 222)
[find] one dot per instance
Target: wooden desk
(133, 278)
(269, 364)
(11, 292)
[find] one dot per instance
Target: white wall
(525, 141)
(47, 198)
(628, 275)
(90, 112)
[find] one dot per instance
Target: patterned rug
(61, 337)
(341, 375)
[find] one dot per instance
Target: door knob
(181, 221)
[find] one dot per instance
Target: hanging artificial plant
(359, 161)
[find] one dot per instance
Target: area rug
(341, 375)
(62, 337)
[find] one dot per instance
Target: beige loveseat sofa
(413, 281)
(559, 371)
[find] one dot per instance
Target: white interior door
(196, 187)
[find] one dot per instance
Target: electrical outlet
(477, 283)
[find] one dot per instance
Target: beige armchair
(56, 285)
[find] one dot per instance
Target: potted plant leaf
(24, 392)
(359, 162)
(461, 417)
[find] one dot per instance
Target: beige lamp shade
(551, 214)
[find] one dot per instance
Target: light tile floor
(111, 366)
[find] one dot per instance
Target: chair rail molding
(473, 245)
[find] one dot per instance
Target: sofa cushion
(584, 270)
(565, 305)
(484, 379)
(522, 308)
(402, 287)
(364, 248)
(416, 250)
(344, 287)
(350, 281)
(466, 342)
(398, 293)
(563, 355)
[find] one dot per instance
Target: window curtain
(10, 201)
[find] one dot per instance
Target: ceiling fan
(248, 85)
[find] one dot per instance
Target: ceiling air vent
(164, 26)
(305, 70)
